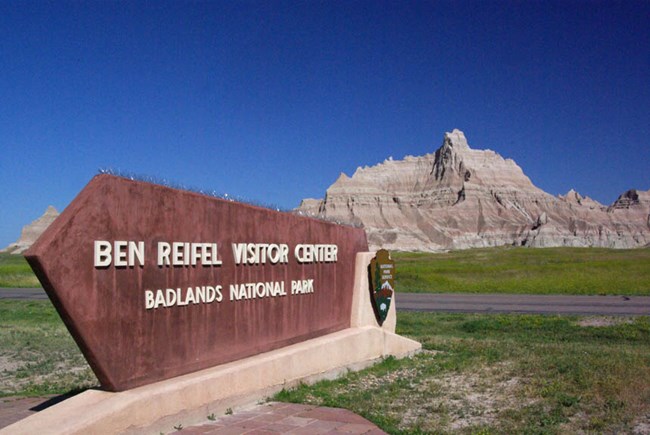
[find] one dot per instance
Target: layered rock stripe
(32, 231)
(459, 198)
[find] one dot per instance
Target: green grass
(37, 354)
(15, 272)
(477, 374)
(579, 271)
(502, 374)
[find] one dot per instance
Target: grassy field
(15, 272)
(37, 354)
(588, 271)
(580, 271)
(477, 374)
(503, 374)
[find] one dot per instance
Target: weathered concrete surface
(459, 197)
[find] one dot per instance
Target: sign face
(154, 282)
(382, 274)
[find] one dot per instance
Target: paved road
(534, 304)
(478, 303)
(22, 293)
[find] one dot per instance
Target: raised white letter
(164, 249)
(102, 253)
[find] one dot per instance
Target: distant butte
(32, 231)
(459, 198)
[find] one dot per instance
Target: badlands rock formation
(32, 231)
(459, 198)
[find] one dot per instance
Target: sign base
(188, 399)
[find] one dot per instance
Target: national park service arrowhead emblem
(382, 278)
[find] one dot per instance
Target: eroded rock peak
(459, 197)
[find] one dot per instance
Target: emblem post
(382, 279)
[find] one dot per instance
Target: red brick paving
(267, 419)
(287, 418)
(13, 409)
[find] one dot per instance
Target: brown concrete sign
(154, 282)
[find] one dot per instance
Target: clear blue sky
(271, 100)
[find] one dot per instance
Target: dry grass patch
(37, 354)
(458, 401)
(601, 321)
(404, 397)
(503, 374)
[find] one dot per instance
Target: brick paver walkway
(269, 418)
(287, 418)
(13, 409)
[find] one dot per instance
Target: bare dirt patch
(601, 321)
(8, 364)
(641, 425)
(453, 401)
(20, 373)
(474, 399)
(479, 399)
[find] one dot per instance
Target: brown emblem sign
(382, 278)
(155, 282)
